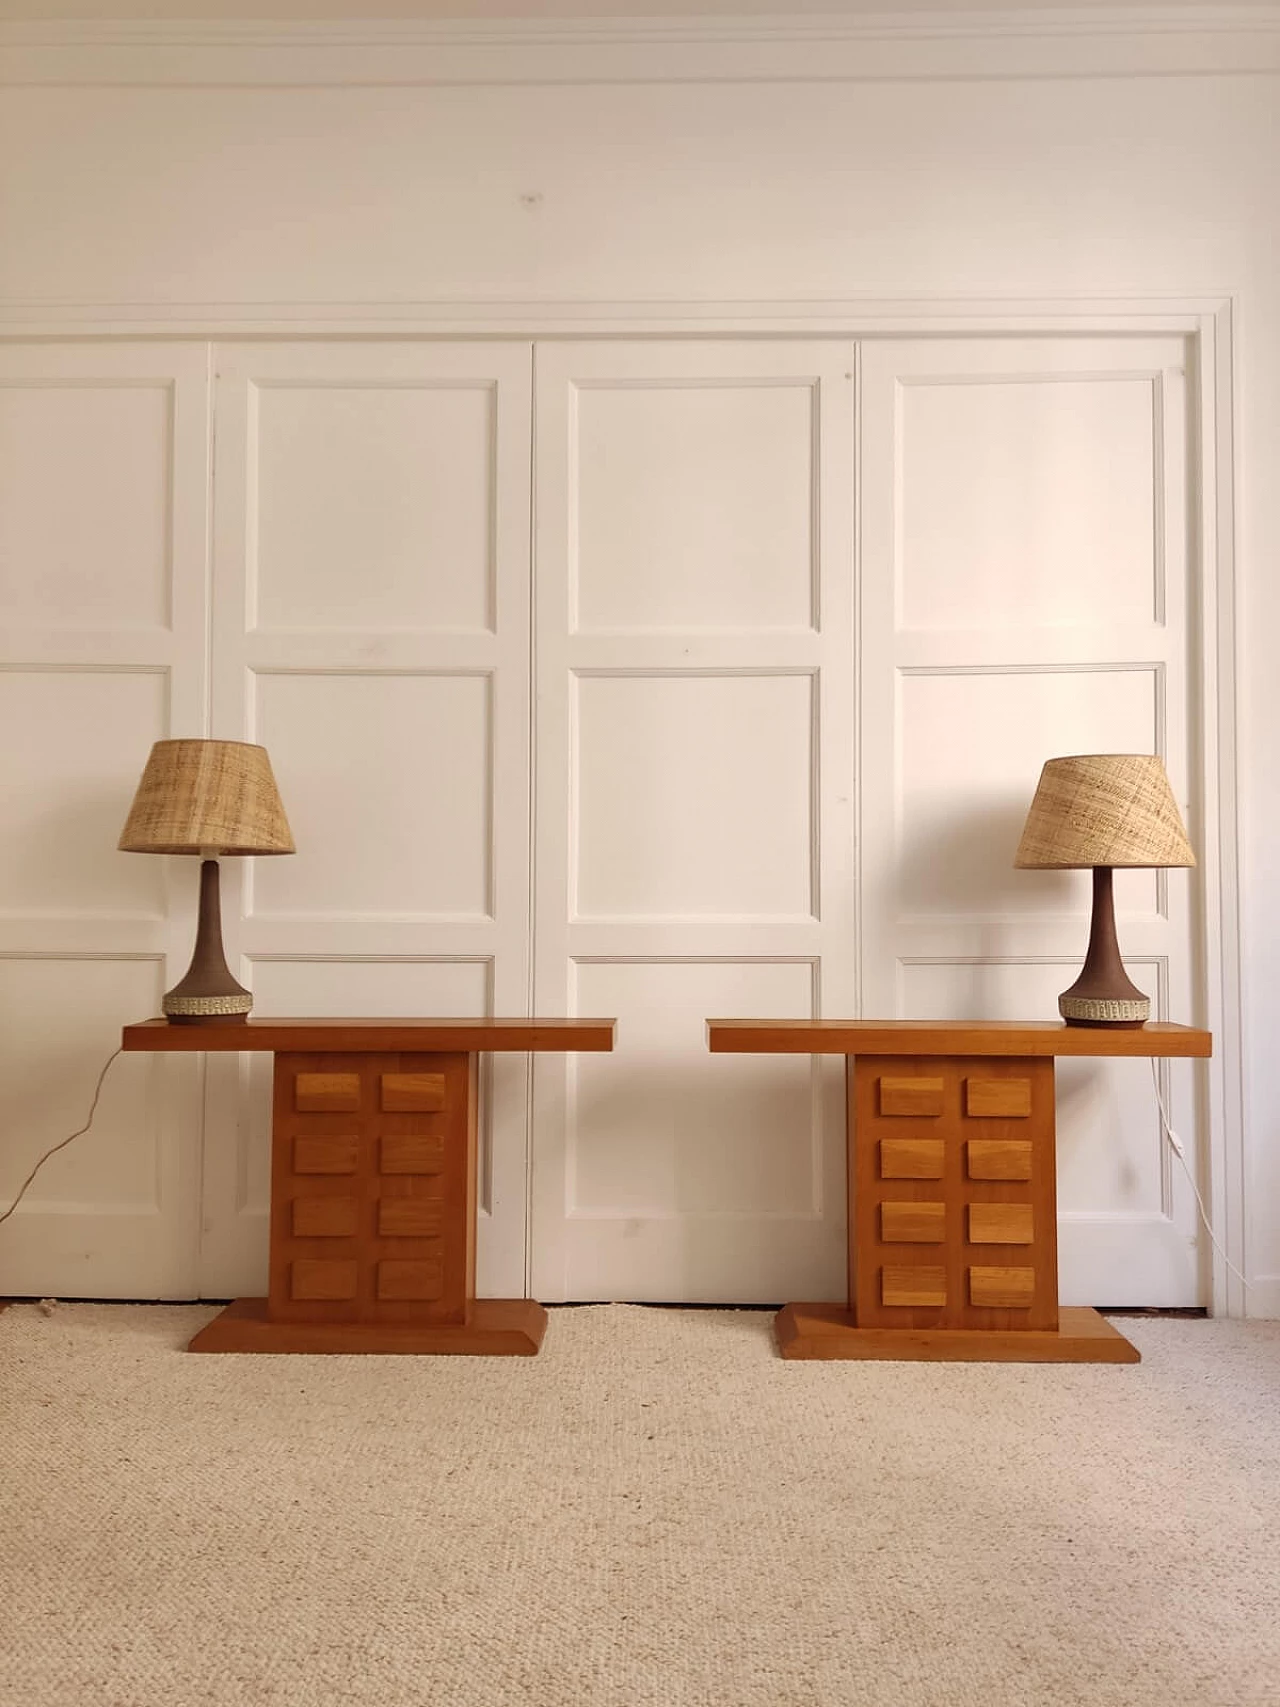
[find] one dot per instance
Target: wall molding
(523, 319)
(1059, 43)
(981, 22)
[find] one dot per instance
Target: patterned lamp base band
(1103, 1010)
(207, 1007)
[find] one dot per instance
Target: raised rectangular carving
(326, 1093)
(110, 442)
(412, 1093)
(974, 446)
(410, 1217)
(999, 1158)
(374, 499)
(390, 850)
(998, 727)
(411, 1153)
(910, 1096)
(44, 1002)
(911, 1158)
(311, 1278)
(408, 1280)
(913, 1286)
(319, 1153)
(81, 724)
(1001, 1224)
(913, 1223)
(659, 738)
(325, 1217)
(370, 986)
(1002, 1288)
(1006, 1099)
(694, 502)
(732, 1134)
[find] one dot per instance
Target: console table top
(948, 1037)
(355, 1036)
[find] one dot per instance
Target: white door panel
(103, 526)
(694, 646)
(372, 631)
(1025, 594)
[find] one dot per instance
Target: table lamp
(207, 798)
(1101, 810)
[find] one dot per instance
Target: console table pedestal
(953, 1248)
(373, 1183)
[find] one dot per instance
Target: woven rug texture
(655, 1512)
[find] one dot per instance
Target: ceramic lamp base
(1102, 1010)
(1104, 994)
(205, 1010)
(208, 995)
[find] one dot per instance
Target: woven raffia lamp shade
(207, 798)
(1099, 811)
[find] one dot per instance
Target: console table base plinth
(495, 1327)
(828, 1332)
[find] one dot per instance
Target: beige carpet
(655, 1511)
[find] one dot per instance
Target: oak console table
(373, 1182)
(953, 1248)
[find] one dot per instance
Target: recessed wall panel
(694, 506)
(661, 1127)
(60, 1020)
(1028, 501)
(85, 484)
(694, 796)
(972, 747)
(373, 989)
(75, 745)
(1108, 1142)
(375, 506)
(386, 781)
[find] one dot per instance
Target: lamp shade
(1103, 809)
(207, 797)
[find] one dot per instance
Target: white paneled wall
(103, 507)
(1105, 173)
(659, 679)
(371, 629)
(694, 550)
(1025, 564)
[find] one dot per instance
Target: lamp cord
(1171, 1137)
(1175, 1144)
(93, 1108)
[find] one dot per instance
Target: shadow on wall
(958, 870)
(961, 861)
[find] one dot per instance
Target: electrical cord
(1171, 1138)
(93, 1108)
(1175, 1144)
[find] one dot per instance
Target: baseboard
(1262, 1300)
